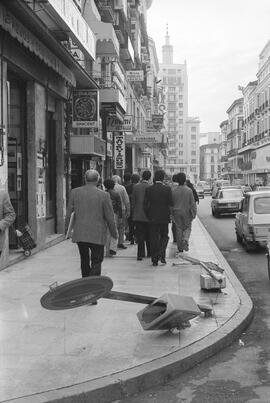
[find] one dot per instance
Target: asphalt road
(241, 372)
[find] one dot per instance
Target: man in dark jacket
(139, 218)
(157, 203)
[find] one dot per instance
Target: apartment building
(182, 151)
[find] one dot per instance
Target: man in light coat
(184, 211)
(7, 216)
(120, 189)
(93, 214)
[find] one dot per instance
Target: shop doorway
(50, 175)
(17, 154)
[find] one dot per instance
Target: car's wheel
(249, 246)
(213, 212)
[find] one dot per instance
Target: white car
(227, 201)
(252, 223)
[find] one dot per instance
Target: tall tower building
(183, 131)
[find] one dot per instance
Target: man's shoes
(112, 252)
(94, 303)
(155, 262)
(132, 242)
(163, 260)
(185, 245)
(139, 258)
(121, 246)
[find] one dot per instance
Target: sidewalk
(100, 353)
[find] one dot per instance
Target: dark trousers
(158, 240)
(174, 231)
(142, 238)
(131, 229)
(97, 255)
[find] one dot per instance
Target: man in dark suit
(138, 215)
(157, 204)
(93, 215)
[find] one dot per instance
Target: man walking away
(157, 203)
(93, 214)
(139, 218)
(135, 178)
(111, 244)
(195, 194)
(120, 189)
(184, 211)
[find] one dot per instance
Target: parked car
(200, 191)
(217, 188)
(207, 190)
(246, 188)
(252, 223)
(262, 188)
(227, 201)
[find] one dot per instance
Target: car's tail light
(250, 229)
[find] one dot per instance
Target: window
(193, 152)
(171, 80)
(181, 153)
(171, 89)
(193, 161)
(262, 205)
(193, 129)
(171, 114)
(171, 106)
(171, 71)
(193, 137)
(172, 98)
(180, 105)
(212, 159)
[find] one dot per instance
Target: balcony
(105, 8)
(90, 144)
(109, 96)
(232, 153)
(66, 15)
(107, 42)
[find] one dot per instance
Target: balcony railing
(105, 8)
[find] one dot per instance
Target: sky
(220, 40)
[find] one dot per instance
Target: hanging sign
(157, 122)
(135, 75)
(113, 124)
(119, 151)
(85, 108)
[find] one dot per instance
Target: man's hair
(109, 183)
(92, 176)
(181, 178)
(116, 179)
(174, 178)
(135, 178)
(159, 175)
(127, 176)
(146, 175)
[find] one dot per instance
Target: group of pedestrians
(140, 211)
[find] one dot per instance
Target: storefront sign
(157, 121)
(113, 124)
(85, 108)
(149, 138)
(135, 75)
(119, 151)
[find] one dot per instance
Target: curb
(161, 370)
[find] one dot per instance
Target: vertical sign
(119, 151)
(85, 106)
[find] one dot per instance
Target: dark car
(227, 201)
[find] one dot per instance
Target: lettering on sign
(113, 124)
(119, 151)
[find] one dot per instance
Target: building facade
(183, 132)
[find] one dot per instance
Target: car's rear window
(262, 205)
(231, 193)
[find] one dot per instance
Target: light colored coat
(120, 189)
(7, 216)
(93, 215)
(184, 206)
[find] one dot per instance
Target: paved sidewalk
(101, 353)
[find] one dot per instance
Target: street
(239, 373)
